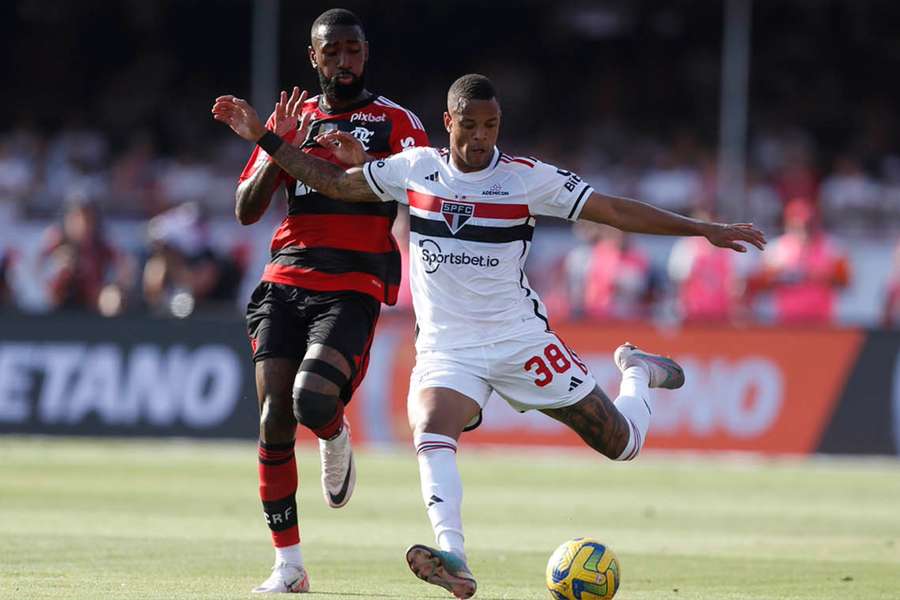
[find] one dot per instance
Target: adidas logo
(574, 383)
(432, 177)
(433, 500)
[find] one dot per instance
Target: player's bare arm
(253, 196)
(326, 177)
(639, 217)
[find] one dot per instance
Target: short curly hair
(336, 16)
(470, 87)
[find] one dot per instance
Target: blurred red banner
(756, 389)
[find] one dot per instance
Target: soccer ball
(583, 569)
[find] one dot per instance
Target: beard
(342, 91)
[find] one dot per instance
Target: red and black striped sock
(333, 427)
(278, 482)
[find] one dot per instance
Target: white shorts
(534, 371)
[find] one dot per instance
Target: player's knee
(317, 389)
(276, 420)
(315, 410)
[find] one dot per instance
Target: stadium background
(108, 107)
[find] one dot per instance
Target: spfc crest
(456, 213)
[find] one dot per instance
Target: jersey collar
(475, 175)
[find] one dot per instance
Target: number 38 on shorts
(554, 359)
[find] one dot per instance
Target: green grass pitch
(96, 520)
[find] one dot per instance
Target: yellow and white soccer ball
(583, 569)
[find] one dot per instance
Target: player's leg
(270, 329)
(597, 420)
(341, 328)
(438, 414)
(618, 429)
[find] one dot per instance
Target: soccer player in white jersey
(481, 328)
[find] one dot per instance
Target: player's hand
(344, 147)
(730, 236)
(240, 116)
(288, 111)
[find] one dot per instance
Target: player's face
(339, 54)
(473, 126)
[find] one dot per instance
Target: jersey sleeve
(556, 193)
(407, 132)
(388, 176)
(259, 158)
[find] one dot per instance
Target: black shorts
(283, 321)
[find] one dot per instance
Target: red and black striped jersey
(329, 245)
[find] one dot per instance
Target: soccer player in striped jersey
(332, 264)
(482, 328)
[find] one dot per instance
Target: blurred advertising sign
(91, 376)
(766, 390)
(759, 389)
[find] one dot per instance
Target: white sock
(441, 489)
(634, 404)
(289, 554)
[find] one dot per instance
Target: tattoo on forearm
(253, 196)
(321, 175)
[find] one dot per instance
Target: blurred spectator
(619, 283)
(133, 178)
(85, 271)
(187, 179)
(705, 278)
(850, 196)
(795, 175)
(77, 162)
(672, 184)
(576, 270)
(183, 272)
(7, 297)
(17, 173)
(764, 207)
(804, 268)
(891, 314)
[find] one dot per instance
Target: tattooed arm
(326, 177)
(252, 197)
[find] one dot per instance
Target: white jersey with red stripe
(469, 237)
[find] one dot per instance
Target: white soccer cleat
(285, 579)
(338, 468)
(664, 372)
(441, 568)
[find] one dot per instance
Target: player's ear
(448, 121)
(312, 57)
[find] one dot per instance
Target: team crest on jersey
(456, 213)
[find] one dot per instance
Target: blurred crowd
(177, 270)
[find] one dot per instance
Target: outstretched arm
(327, 178)
(640, 217)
